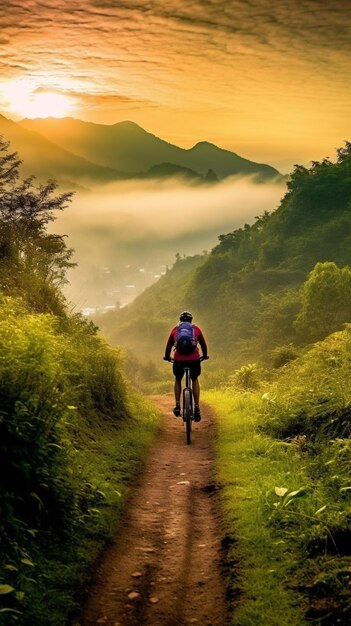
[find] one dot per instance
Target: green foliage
(312, 394)
(282, 355)
(258, 558)
(246, 377)
(274, 321)
(252, 278)
(247, 293)
(47, 380)
(326, 301)
(33, 261)
(64, 405)
(284, 463)
(309, 407)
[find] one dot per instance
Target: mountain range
(80, 153)
(44, 159)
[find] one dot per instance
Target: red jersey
(194, 356)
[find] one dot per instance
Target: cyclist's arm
(203, 344)
(169, 346)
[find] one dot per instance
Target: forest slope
(247, 293)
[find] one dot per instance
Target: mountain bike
(188, 403)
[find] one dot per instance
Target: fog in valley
(125, 235)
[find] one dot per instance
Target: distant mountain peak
(206, 146)
(129, 125)
(127, 147)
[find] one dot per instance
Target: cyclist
(189, 359)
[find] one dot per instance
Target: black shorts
(194, 366)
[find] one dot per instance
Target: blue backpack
(185, 338)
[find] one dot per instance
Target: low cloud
(125, 233)
(170, 209)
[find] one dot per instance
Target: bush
(247, 377)
(282, 355)
(312, 395)
(53, 374)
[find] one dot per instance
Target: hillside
(72, 434)
(168, 170)
(43, 159)
(153, 311)
(128, 147)
(247, 292)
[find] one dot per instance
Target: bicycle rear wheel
(188, 412)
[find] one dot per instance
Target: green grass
(260, 562)
(107, 456)
(72, 436)
(284, 461)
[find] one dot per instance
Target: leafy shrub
(93, 369)
(32, 390)
(282, 355)
(53, 371)
(312, 395)
(326, 301)
(247, 377)
(32, 404)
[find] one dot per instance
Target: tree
(326, 301)
(274, 323)
(32, 260)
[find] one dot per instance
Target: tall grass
(250, 465)
(71, 436)
(284, 461)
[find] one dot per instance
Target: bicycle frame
(187, 378)
(188, 405)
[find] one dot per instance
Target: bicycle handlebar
(202, 358)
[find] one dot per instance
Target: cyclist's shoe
(176, 410)
(197, 414)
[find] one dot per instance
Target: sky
(267, 79)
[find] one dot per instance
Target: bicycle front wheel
(188, 412)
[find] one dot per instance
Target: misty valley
(127, 228)
(125, 236)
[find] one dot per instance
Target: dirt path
(164, 569)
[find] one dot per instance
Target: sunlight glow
(26, 101)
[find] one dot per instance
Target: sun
(46, 104)
(29, 102)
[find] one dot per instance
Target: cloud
(127, 226)
(103, 99)
(238, 29)
(249, 67)
(166, 210)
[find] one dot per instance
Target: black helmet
(185, 317)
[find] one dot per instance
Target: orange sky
(269, 79)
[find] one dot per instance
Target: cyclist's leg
(178, 372)
(195, 372)
(177, 390)
(196, 391)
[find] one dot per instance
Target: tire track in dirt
(164, 568)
